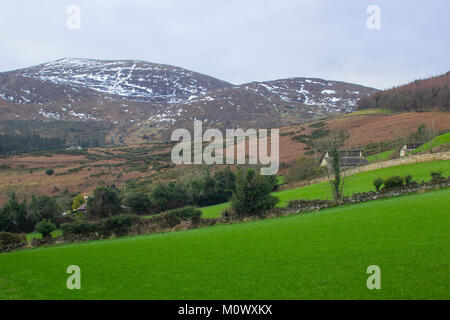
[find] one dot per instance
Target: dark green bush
(118, 225)
(185, 213)
(44, 207)
(14, 216)
(168, 196)
(49, 172)
(252, 195)
(202, 190)
(378, 183)
(139, 203)
(103, 203)
(392, 182)
(45, 227)
(437, 177)
(80, 228)
(225, 184)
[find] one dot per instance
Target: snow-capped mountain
(300, 94)
(131, 80)
(268, 103)
(143, 95)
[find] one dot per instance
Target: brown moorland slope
(364, 129)
(377, 128)
(82, 171)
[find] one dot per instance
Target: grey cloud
(238, 41)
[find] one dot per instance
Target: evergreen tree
(252, 194)
(104, 203)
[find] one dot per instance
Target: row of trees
(28, 143)
(20, 217)
(420, 95)
(248, 191)
(199, 191)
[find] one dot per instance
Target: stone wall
(298, 206)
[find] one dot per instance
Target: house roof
(344, 150)
(353, 161)
(413, 145)
(82, 207)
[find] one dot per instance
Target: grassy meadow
(383, 156)
(322, 255)
(436, 142)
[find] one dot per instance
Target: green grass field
(321, 255)
(381, 156)
(361, 182)
(438, 141)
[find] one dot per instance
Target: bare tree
(432, 135)
(319, 145)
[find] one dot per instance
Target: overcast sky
(238, 40)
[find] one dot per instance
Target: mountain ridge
(150, 97)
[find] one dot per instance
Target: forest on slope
(419, 95)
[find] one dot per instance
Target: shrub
(166, 197)
(408, 179)
(44, 207)
(392, 182)
(201, 190)
(437, 177)
(79, 228)
(103, 203)
(118, 225)
(252, 194)
(45, 227)
(13, 216)
(49, 172)
(138, 202)
(225, 184)
(185, 213)
(378, 183)
(9, 241)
